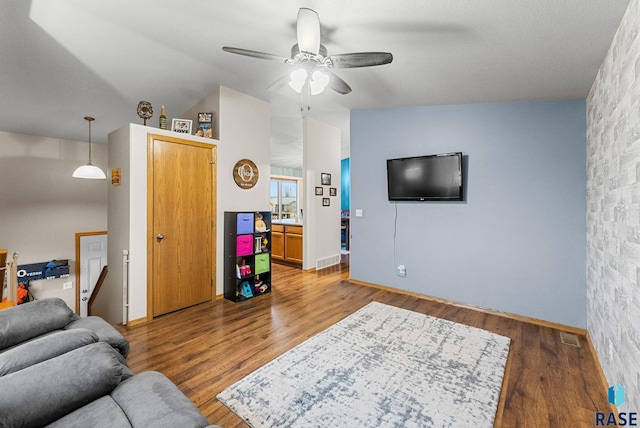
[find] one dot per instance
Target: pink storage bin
(244, 245)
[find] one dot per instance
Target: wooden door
(182, 234)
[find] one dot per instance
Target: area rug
(380, 367)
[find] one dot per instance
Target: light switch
(67, 285)
(358, 213)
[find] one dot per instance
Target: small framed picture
(326, 202)
(205, 125)
(325, 179)
(182, 126)
(333, 191)
(319, 191)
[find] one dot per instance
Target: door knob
(159, 237)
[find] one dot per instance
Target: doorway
(91, 258)
(181, 230)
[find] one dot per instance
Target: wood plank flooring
(206, 348)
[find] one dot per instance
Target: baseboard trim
(138, 321)
(508, 315)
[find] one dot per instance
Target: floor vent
(569, 339)
(327, 261)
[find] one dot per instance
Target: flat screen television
(425, 178)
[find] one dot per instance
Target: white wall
(41, 206)
(321, 154)
(244, 126)
(122, 210)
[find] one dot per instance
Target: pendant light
(89, 170)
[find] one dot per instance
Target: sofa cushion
(151, 400)
(43, 348)
(44, 392)
(101, 413)
(105, 331)
(29, 320)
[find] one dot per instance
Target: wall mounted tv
(425, 178)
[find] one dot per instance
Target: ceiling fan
(312, 73)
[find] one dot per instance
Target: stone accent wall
(613, 210)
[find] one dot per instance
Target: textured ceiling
(61, 60)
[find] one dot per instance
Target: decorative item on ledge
(162, 119)
(145, 111)
(89, 170)
(183, 126)
(205, 125)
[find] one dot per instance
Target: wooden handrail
(96, 289)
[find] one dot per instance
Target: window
(283, 195)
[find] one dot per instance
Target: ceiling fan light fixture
(89, 171)
(318, 82)
(298, 79)
(309, 55)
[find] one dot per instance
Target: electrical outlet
(67, 285)
(401, 271)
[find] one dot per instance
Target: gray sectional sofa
(59, 370)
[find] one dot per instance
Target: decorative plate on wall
(245, 174)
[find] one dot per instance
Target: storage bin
(245, 223)
(244, 245)
(262, 263)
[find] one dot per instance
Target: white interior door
(93, 257)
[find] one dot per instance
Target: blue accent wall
(518, 241)
(345, 184)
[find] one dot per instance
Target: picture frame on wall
(183, 126)
(319, 191)
(326, 202)
(333, 191)
(325, 179)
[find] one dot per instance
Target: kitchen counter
(293, 221)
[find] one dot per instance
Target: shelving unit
(247, 249)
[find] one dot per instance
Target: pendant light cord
(89, 119)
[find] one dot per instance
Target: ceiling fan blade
(337, 84)
(308, 31)
(361, 59)
(255, 54)
(280, 83)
